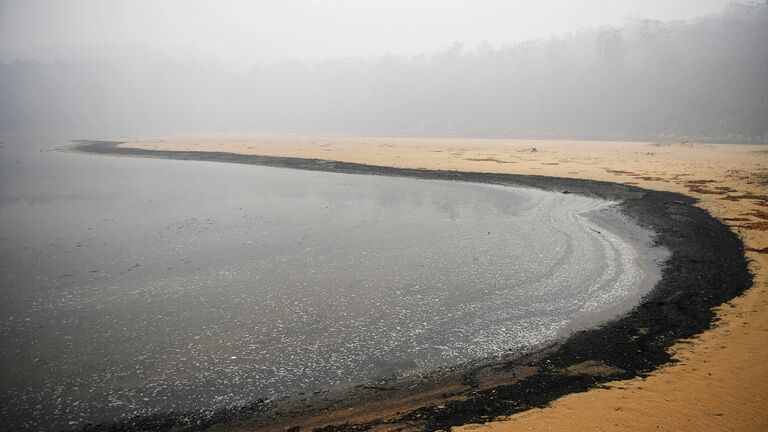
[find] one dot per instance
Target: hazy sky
(245, 32)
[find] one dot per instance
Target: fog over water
(613, 70)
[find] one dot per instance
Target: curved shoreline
(706, 268)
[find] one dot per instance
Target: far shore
(717, 377)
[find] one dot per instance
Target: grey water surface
(135, 286)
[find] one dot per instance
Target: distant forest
(703, 80)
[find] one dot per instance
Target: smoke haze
(613, 70)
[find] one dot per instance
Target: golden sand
(720, 381)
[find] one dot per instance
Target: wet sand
(719, 380)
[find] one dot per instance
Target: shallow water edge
(706, 268)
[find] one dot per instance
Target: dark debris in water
(707, 268)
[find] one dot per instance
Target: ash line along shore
(706, 268)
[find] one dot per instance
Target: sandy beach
(720, 378)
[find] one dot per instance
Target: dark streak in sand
(706, 268)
